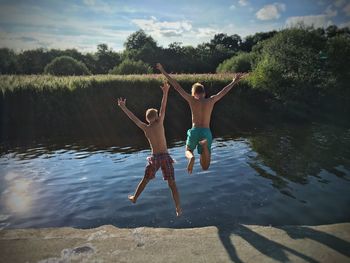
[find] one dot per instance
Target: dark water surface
(283, 175)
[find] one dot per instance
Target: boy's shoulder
(155, 125)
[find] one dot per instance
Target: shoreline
(238, 243)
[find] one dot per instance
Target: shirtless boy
(201, 108)
(160, 158)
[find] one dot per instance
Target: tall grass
(85, 106)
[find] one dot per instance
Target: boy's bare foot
(132, 198)
(178, 212)
(190, 165)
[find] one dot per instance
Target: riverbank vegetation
(296, 73)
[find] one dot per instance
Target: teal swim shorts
(195, 135)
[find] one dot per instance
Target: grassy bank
(44, 106)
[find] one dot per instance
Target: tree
(33, 61)
(252, 40)
(64, 66)
(138, 40)
(229, 42)
(8, 61)
(128, 67)
(140, 46)
(338, 58)
(239, 63)
(106, 59)
(290, 66)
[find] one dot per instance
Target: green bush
(239, 63)
(128, 67)
(290, 66)
(338, 55)
(66, 66)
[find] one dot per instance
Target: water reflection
(290, 174)
(18, 196)
(293, 153)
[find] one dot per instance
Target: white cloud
(232, 7)
(315, 21)
(85, 43)
(270, 12)
(206, 32)
(243, 2)
(89, 2)
(346, 9)
(329, 12)
(323, 20)
(101, 6)
(165, 28)
(339, 3)
(346, 24)
(51, 29)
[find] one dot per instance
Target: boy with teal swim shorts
(201, 108)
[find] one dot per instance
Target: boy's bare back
(155, 135)
(201, 110)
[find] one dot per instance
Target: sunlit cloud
(83, 24)
(243, 2)
(323, 20)
(347, 9)
(339, 3)
(270, 12)
(163, 28)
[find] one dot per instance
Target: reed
(83, 106)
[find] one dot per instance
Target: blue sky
(83, 24)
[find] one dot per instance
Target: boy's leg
(150, 172)
(191, 143)
(205, 155)
(172, 186)
(190, 158)
(139, 189)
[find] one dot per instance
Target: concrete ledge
(238, 243)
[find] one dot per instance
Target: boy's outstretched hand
(165, 87)
(121, 102)
(159, 67)
(239, 76)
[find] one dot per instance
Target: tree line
(141, 54)
(142, 48)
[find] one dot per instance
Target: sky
(83, 24)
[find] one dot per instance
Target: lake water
(284, 175)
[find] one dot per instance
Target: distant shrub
(128, 67)
(66, 66)
(291, 67)
(239, 63)
(338, 55)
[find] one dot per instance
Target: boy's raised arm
(174, 83)
(121, 104)
(226, 89)
(165, 89)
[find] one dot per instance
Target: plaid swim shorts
(160, 160)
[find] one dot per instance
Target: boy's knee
(188, 149)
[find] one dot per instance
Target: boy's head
(151, 115)
(198, 91)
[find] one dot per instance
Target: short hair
(151, 114)
(197, 88)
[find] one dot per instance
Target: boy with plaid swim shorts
(163, 161)
(201, 108)
(160, 158)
